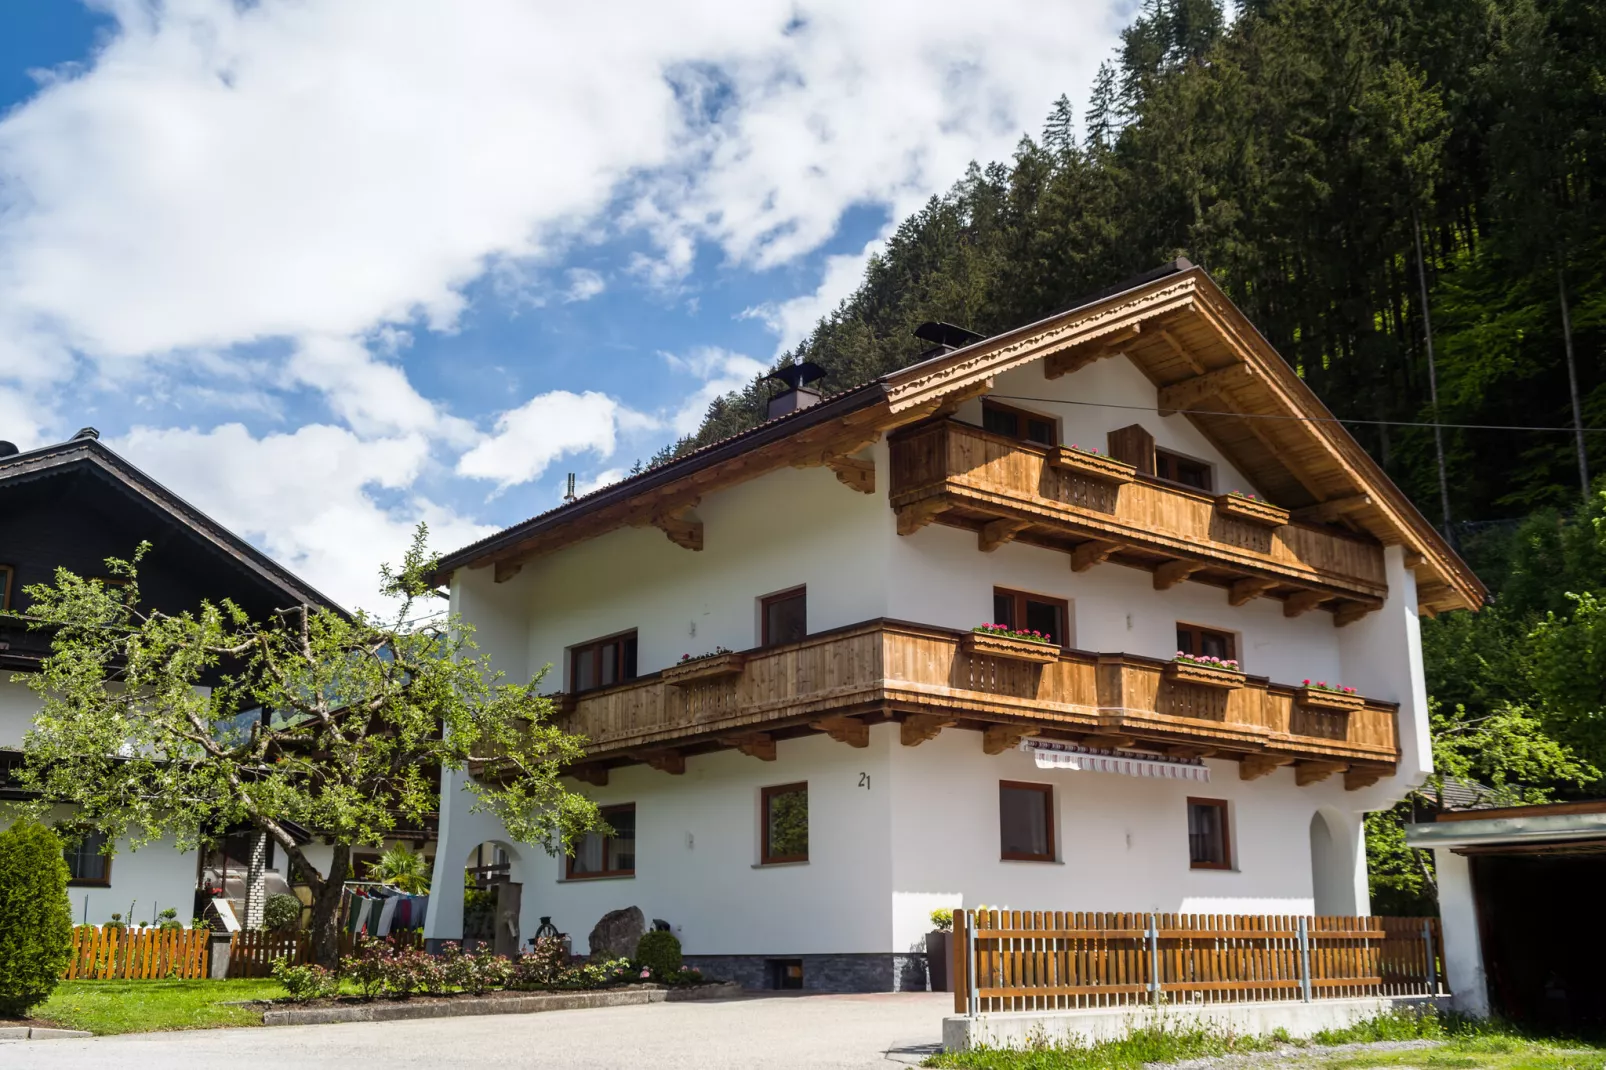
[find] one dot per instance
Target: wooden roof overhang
(1175, 324)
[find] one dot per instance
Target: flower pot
(1189, 672)
(700, 670)
(937, 960)
(1092, 465)
(1004, 646)
(1317, 698)
(1251, 509)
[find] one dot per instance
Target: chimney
(7, 448)
(945, 338)
(86, 432)
(797, 394)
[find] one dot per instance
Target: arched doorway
(1332, 868)
(491, 898)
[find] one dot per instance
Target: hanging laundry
(387, 914)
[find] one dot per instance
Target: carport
(1520, 890)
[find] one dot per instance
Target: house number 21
(864, 781)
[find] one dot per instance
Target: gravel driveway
(779, 1032)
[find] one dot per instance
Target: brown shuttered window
(1019, 423)
(1135, 446)
(1175, 468)
(602, 662)
(1209, 845)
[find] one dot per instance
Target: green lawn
(1461, 1046)
(142, 1006)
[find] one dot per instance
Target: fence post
(1304, 959)
(1154, 959)
(1432, 956)
(974, 982)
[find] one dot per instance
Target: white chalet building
(800, 805)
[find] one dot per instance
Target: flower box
(1191, 672)
(1092, 465)
(1251, 509)
(700, 670)
(1004, 646)
(1320, 698)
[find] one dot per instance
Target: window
(1018, 423)
(1024, 612)
(612, 855)
(86, 862)
(1176, 468)
(602, 662)
(784, 617)
(6, 573)
(1208, 846)
(785, 812)
(1025, 822)
(1206, 642)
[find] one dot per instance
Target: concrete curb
(466, 1008)
(39, 1032)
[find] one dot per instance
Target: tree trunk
(326, 897)
(1572, 380)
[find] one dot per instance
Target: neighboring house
(73, 505)
(1519, 895)
(796, 809)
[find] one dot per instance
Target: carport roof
(1547, 828)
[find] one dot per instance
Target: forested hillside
(1299, 150)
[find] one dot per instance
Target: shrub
(543, 966)
(35, 917)
(302, 983)
(475, 972)
(659, 951)
(281, 912)
(366, 968)
(942, 919)
(167, 921)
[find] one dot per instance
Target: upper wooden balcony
(929, 679)
(1005, 489)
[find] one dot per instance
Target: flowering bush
(1323, 685)
(1031, 636)
(302, 983)
(1084, 449)
(1206, 659)
(714, 653)
(476, 971)
(1246, 495)
(542, 966)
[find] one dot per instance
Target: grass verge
(1463, 1045)
(104, 1007)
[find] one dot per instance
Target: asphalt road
(781, 1032)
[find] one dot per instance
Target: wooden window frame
(1226, 834)
(1047, 791)
(568, 862)
(102, 881)
(1023, 414)
(768, 600)
(8, 575)
(599, 643)
(1198, 631)
(1020, 598)
(1209, 470)
(765, 858)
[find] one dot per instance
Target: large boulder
(618, 933)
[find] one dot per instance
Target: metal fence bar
(1304, 959)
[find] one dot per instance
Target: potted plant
(1322, 695)
(696, 668)
(1002, 641)
(1243, 505)
(938, 943)
(1206, 671)
(1089, 462)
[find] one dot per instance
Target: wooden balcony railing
(841, 680)
(956, 474)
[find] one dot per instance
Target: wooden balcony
(931, 679)
(1004, 489)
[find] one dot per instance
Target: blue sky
(329, 269)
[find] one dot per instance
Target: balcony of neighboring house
(934, 679)
(1098, 508)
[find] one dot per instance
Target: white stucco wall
(1463, 944)
(18, 704)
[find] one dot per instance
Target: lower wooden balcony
(933, 679)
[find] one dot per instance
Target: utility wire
(1297, 419)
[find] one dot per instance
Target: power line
(1297, 419)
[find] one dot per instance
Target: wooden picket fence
(1012, 960)
(117, 954)
(252, 954)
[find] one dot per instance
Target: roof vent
(86, 432)
(797, 394)
(7, 448)
(944, 337)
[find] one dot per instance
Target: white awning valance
(1052, 755)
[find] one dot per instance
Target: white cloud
(304, 497)
(584, 284)
(547, 427)
(793, 319)
(606, 477)
(721, 372)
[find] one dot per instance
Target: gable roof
(84, 453)
(1175, 324)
